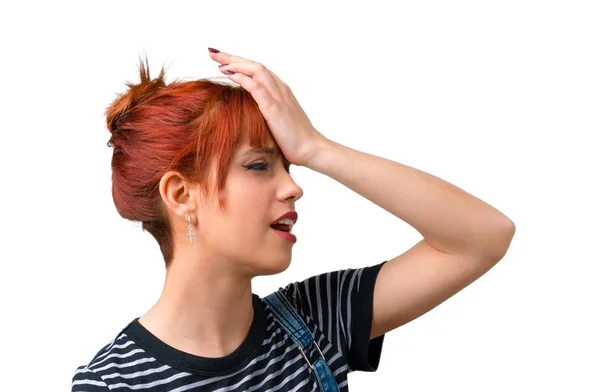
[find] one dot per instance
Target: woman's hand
(298, 140)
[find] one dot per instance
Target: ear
(180, 196)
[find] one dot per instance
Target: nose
(289, 188)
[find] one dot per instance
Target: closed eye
(263, 166)
(260, 166)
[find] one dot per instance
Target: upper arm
(418, 280)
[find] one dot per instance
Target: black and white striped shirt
(336, 306)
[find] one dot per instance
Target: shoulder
(89, 377)
(332, 286)
(337, 307)
(86, 379)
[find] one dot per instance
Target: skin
(206, 306)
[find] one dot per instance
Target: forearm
(450, 219)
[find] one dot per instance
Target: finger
(224, 58)
(262, 97)
(258, 72)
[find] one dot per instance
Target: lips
(293, 215)
(284, 229)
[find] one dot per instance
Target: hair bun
(120, 110)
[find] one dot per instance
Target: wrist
(320, 150)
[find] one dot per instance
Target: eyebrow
(264, 150)
(276, 152)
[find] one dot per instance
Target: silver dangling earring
(190, 233)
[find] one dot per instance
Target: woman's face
(258, 190)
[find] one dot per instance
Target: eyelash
(262, 166)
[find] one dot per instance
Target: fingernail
(213, 50)
(222, 65)
(229, 72)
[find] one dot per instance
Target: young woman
(205, 167)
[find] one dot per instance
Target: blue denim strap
(297, 329)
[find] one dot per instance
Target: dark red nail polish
(213, 50)
(229, 72)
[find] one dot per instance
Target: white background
(499, 98)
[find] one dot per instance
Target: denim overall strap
(297, 329)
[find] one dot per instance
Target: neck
(203, 310)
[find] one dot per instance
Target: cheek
(248, 197)
(248, 210)
(249, 207)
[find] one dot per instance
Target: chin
(274, 268)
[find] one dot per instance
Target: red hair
(186, 126)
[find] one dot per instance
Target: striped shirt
(336, 306)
